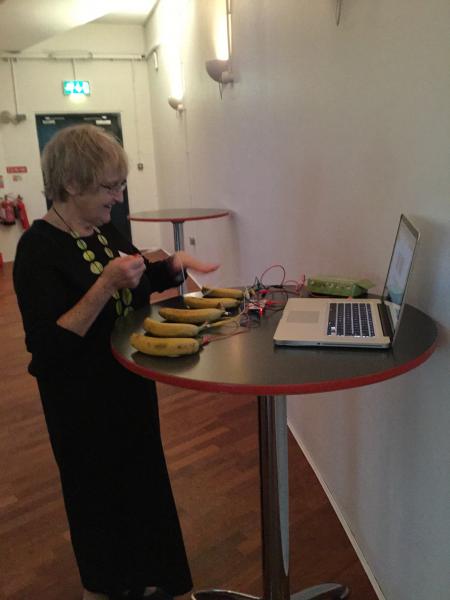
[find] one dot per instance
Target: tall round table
(251, 364)
(178, 216)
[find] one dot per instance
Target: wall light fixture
(219, 69)
(176, 103)
(172, 15)
(338, 11)
(154, 52)
(15, 119)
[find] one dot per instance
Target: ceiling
(24, 23)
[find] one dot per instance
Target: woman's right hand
(124, 272)
(119, 273)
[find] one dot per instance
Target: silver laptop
(371, 323)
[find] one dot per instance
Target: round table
(250, 364)
(177, 216)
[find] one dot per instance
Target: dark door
(48, 125)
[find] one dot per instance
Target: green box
(338, 286)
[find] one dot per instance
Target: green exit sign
(76, 87)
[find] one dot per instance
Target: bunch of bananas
(179, 334)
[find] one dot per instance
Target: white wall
(118, 86)
(327, 135)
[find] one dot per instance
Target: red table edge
(178, 219)
(274, 390)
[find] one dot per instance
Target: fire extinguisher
(7, 216)
(21, 212)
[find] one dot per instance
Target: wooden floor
(212, 450)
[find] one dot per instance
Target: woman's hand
(119, 273)
(183, 260)
(124, 272)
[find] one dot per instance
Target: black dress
(102, 420)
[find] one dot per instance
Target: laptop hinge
(385, 321)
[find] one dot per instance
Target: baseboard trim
(339, 515)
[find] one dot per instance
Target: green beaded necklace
(123, 297)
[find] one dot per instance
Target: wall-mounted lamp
(338, 11)
(176, 103)
(154, 52)
(219, 70)
(5, 115)
(15, 119)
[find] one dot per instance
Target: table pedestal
(178, 238)
(178, 235)
(273, 451)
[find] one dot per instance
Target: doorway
(47, 125)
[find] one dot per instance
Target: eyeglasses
(115, 188)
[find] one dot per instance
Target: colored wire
(274, 267)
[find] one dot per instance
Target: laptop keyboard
(351, 319)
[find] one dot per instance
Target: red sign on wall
(16, 170)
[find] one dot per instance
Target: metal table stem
(273, 451)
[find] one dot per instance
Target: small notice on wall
(18, 169)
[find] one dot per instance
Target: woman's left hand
(183, 260)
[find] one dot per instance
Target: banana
(156, 346)
(196, 302)
(163, 329)
(191, 315)
(223, 292)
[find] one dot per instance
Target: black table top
(249, 363)
(179, 215)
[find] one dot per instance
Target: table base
(178, 236)
(326, 591)
(273, 448)
(221, 595)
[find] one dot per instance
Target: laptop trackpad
(303, 316)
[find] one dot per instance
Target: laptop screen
(399, 270)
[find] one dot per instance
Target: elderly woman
(74, 275)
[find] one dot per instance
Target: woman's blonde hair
(78, 157)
